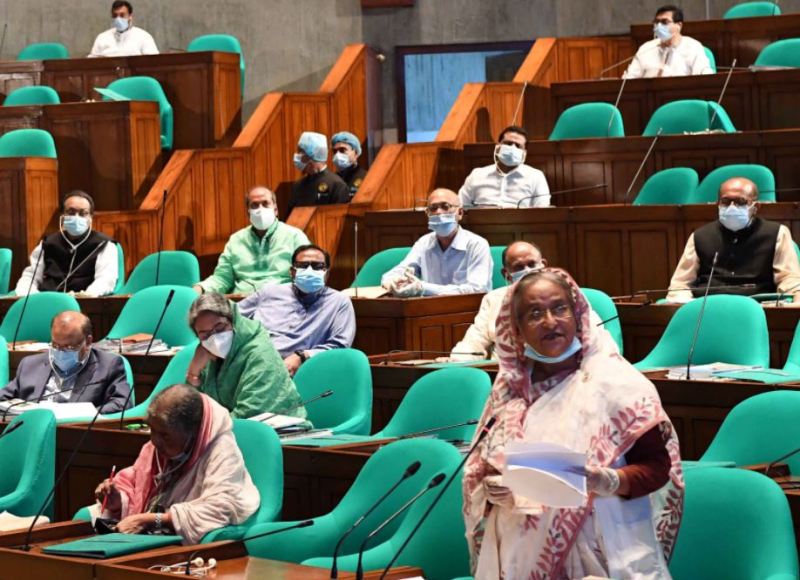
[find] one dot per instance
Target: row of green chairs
(682, 186)
(752, 10)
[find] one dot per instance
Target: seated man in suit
(749, 250)
(305, 317)
(319, 185)
(72, 371)
(449, 260)
(76, 258)
(346, 151)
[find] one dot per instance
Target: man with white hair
(319, 185)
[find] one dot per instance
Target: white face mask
(509, 155)
(517, 276)
(262, 217)
(735, 218)
(75, 225)
(219, 344)
(662, 32)
(342, 161)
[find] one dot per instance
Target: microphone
(641, 166)
(519, 103)
(722, 94)
(355, 254)
(28, 293)
(613, 66)
(448, 352)
(410, 471)
(437, 429)
(771, 464)
(562, 191)
(161, 235)
(481, 436)
(146, 352)
(677, 288)
(11, 428)
(616, 104)
(3, 40)
(48, 395)
(700, 318)
(324, 395)
(648, 302)
(437, 479)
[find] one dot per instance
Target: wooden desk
(642, 327)
(754, 100)
(204, 88)
(111, 149)
(739, 38)
(431, 323)
(617, 249)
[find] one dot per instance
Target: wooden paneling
(16, 74)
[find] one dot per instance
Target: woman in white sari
(562, 380)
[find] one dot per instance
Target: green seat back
(792, 364)
(219, 43)
(605, 308)
(444, 397)
(382, 470)
(120, 270)
(708, 190)
(263, 457)
(759, 430)
(148, 89)
(27, 143)
(35, 95)
(3, 362)
(733, 330)
(693, 115)
(29, 457)
(143, 309)
(43, 51)
(780, 53)
(6, 256)
(498, 280)
(345, 371)
(588, 120)
(711, 58)
(42, 308)
(672, 186)
(176, 269)
(377, 265)
(736, 526)
(752, 10)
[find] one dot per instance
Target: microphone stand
(28, 293)
(437, 429)
(327, 393)
(161, 235)
(562, 191)
(641, 166)
(700, 318)
(722, 94)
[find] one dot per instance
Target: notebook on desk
(111, 545)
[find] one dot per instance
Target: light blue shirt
(297, 321)
(465, 267)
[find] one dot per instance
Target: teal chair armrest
(699, 464)
(226, 533)
(83, 514)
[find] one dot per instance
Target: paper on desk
(69, 410)
(707, 371)
(546, 473)
(277, 421)
(9, 521)
(366, 292)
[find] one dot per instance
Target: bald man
(751, 251)
(72, 365)
(449, 260)
(259, 254)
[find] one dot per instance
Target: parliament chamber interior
(400, 289)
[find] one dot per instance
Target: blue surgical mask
(551, 360)
(442, 224)
(509, 155)
(342, 161)
(517, 276)
(65, 362)
(735, 218)
(121, 24)
(75, 225)
(309, 281)
(299, 164)
(662, 32)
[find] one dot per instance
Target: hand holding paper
(546, 473)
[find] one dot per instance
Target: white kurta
(655, 60)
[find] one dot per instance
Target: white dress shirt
(133, 42)
(655, 60)
(465, 267)
(490, 186)
(106, 272)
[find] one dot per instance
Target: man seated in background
(76, 258)
(750, 250)
(305, 317)
(519, 258)
(258, 254)
(319, 185)
(669, 54)
(449, 260)
(72, 365)
(508, 182)
(346, 151)
(123, 38)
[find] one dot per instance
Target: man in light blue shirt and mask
(305, 317)
(449, 260)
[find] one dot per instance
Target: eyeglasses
(257, 204)
(665, 21)
(313, 265)
(79, 212)
(71, 348)
(218, 327)
(738, 202)
(535, 317)
(444, 206)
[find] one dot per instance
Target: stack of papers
(62, 411)
(316, 434)
(134, 344)
(28, 346)
(277, 421)
(707, 371)
(546, 473)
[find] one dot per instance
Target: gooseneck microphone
(28, 293)
(323, 395)
(700, 319)
(437, 429)
(437, 479)
(774, 462)
(722, 94)
(562, 191)
(410, 471)
(481, 436)
(641, 166)
(161, 235)
(386, 360)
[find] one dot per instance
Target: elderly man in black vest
(75, 259)
(754, 255)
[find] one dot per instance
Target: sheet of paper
(366, 292)
(277, 421)
(69, 410)
(546, 473)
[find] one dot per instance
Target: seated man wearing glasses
(753, 255)
(304, 317)
(449, 260)
(72, 370)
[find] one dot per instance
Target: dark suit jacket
(101, 381)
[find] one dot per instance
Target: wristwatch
(302, 355)
(158, 521)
